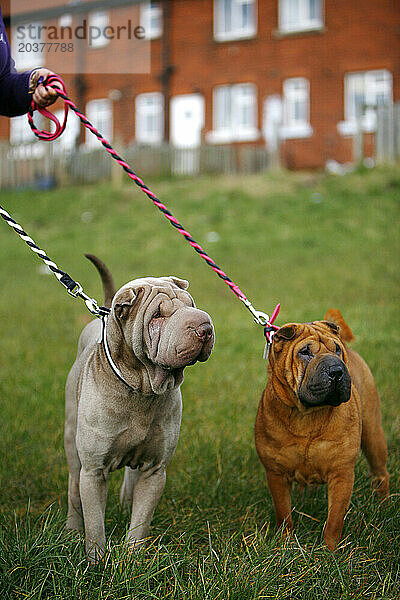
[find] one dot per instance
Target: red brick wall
(354, 38)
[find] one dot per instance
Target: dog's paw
(331, 540)
(74, 524)
(380, 486)
(135, 544)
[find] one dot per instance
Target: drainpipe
(80, 91)
(80, 83)
(166, 67)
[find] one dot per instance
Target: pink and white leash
(57, 84)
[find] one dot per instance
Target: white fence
(43, 164)
(387, 141)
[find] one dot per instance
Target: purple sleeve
(14, 97)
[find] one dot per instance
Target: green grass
(308, 241)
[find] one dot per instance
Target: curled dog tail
(336, 317)
(106, 278)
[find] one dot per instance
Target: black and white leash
(73, 287)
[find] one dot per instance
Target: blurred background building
(298, 78)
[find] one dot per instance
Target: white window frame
(26, 60)
(100, 19)
(230, 104)
(296, 91)
(103, 121)
(149, 105)
(369, 84)
(305, 21)
(150, 12)
(236, 30)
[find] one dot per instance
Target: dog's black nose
(204, 332)
(336, 372)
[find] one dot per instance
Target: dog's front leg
(280, 488)
(340, 488)
(146, 494)
(131, 476)
(93, 488)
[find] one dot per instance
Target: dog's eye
(157, 314)
(338, 350)
(305, 352)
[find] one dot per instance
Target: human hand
(42, 96)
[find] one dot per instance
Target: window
(99, 113)
(65, 20)
(234, 113)
(296, 108)
(364, 92)
(31, 55)
(98, 23)
(234, 19)
(300, 15)
(151, 19)
(149, 118)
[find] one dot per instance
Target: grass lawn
(307, 241)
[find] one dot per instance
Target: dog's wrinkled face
(162, 326)
(311, 359)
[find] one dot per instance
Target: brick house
(304, 73)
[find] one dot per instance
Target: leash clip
(92, 306)
(100, 312)
(261, 318)
(75, 291)
(267, 348)
(270, 330)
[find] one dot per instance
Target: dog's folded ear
(287, 332)
(125, 302)
(181, 283)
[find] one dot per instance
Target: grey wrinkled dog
(132, 420)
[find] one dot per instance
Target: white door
(187, 122)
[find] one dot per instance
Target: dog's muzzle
(326, 382)
(184, 338)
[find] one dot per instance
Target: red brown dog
(319, 406)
